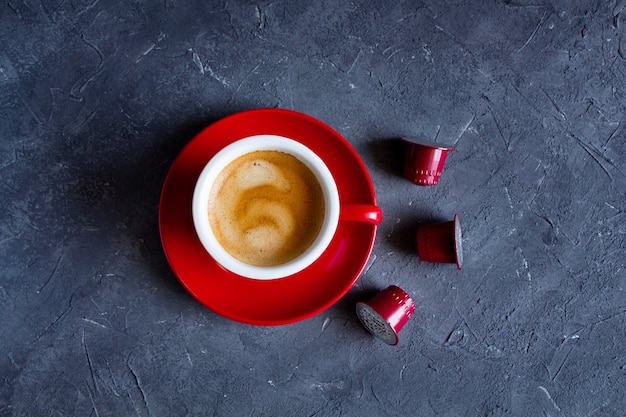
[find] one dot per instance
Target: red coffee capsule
(386, 314)
(441, 242)
(424, 160)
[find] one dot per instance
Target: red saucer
(267, 302)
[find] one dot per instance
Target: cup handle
(365, 213)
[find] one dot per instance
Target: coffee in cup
(266, 208)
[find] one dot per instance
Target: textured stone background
(98, 97)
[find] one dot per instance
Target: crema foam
(266, 208)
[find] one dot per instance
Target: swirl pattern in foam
(266, 208)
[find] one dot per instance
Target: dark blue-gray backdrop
(98, 97)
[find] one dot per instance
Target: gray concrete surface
(97, 98)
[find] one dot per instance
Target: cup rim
(241, 147)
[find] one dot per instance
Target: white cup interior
(220, 161)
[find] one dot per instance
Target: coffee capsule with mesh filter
(441, 242)
(386, 314)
